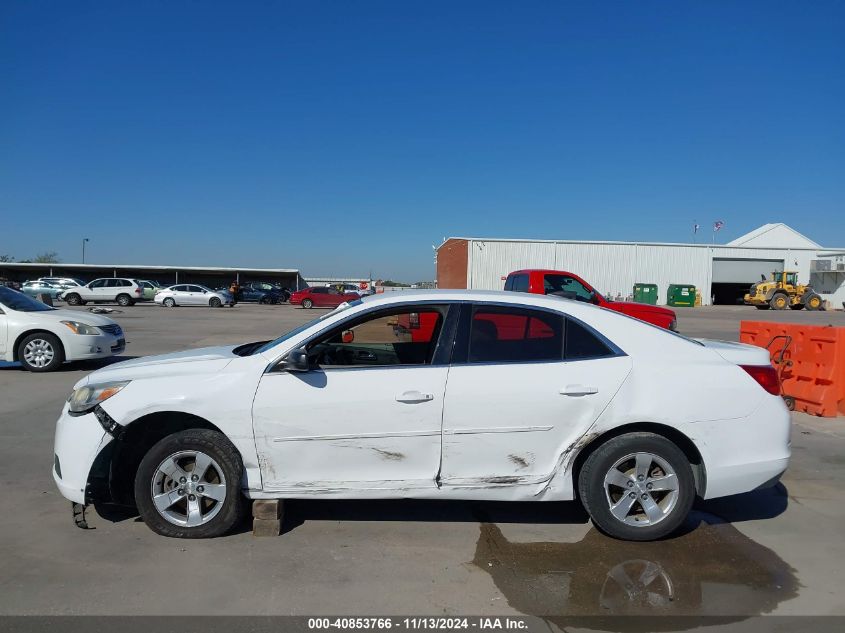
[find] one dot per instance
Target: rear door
(516, 400)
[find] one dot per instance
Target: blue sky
(347, 137)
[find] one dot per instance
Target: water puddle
(711, 570)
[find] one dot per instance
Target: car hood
(738, 353)
(206, 360)
(54, 316)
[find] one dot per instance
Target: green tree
(48, 257)
(5, 259)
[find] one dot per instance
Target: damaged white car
(431, 395)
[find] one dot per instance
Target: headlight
(81, 328)
(90, 396)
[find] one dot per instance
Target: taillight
(766, 377)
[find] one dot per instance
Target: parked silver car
(193, 295)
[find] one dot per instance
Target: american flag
(718, 224)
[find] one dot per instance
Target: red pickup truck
(571, 286)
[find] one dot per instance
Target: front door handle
(578, 390)
(414, 396)
(364, 355)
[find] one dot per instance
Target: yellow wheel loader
(781, 292)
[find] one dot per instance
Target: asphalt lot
(776, 551)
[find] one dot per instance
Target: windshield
(18, 301)
(302, 328)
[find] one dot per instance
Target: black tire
(763, 307)
(73, 299)
(813, 302)
(779, 301)
(307, 304)
(169, 302)
(597, 503)
(790, 402)
(44, 341)
(124, 300)
(215, 302)
(234, 506)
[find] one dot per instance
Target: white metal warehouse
(721, 273)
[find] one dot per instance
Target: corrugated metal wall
(614, 268)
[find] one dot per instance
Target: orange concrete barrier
(810, 360)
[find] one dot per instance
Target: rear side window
(513, 335)
(520, 283)
(581, 343)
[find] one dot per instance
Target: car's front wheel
(41, 351)
(189, 485)
(637, 487)
(73, 299)
(215, 302)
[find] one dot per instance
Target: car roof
(495, 296)
(540, 270)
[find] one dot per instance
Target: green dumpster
(680, 295)
(645, 293)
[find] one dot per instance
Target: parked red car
(322, 297)
(571, 286)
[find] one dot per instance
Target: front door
(366, 417)
(516, 400)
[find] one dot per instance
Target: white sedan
(42, 337)
(432, 395)
(192, 295)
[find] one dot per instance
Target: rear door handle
(414, 396)
(578, 390)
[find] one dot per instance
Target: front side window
(403, 337)
(567, 287)
(321, 291)
(98, 283)
(513, 335)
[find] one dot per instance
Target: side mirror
(297, 360)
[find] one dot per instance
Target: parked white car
(435, 395)
(120, 290)
(192, 295)
(62, 282)
(42, 337)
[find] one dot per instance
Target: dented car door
(366, 416)
(514, 402)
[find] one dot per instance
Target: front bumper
(79, 439)
(87, 347)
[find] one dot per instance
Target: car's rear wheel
(637, 487)
(215, 302)
(188, 485)
(73, 299)
(41, 351)
(169, 302)
(124, 300)
(307, 303)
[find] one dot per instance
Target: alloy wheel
(188, 488)
(641, 489)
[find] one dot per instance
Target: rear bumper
(746, 454)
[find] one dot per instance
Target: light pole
(84, 239)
